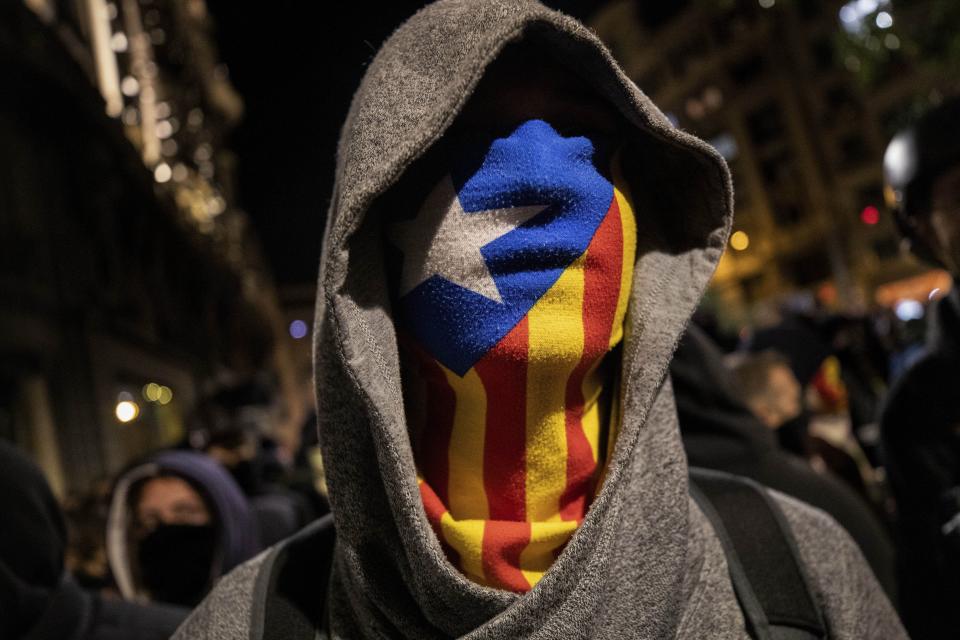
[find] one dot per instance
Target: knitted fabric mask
(513, 288)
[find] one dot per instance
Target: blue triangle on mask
(532, 166)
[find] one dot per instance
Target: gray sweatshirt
(645, 563)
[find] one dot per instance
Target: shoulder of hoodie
(227, 611)
(852, 601)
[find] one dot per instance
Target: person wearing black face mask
(39, 599)
(177, 562)
(177, 523)
(176, 543)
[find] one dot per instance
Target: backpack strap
(762, 557)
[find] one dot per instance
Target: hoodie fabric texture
(644, 563)
(236, 527)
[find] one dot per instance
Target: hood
(237, 529)
(32, 542)
(715, 425)
(627, 568)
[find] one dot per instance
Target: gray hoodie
(645, 563)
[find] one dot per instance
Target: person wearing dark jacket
(39, 600)
(177, 522)
(920, 425)
(720, 432)
(516, 241)
(228, 426)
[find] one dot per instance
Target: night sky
(297, 67)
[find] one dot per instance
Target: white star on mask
(445, 241)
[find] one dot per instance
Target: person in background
(86, 553)
(767, 385)
(835, 357)
(230, 426)
(920, 424)
(39, 599)
(177, 522)
(721, 432)
(828, 401)
(517, 240)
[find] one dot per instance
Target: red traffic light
(870, 215)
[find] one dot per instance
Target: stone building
(128, 279)
(771, 86)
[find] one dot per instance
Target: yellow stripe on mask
(591, 388)
(555, 346)
(545, 539)
(466, 538)
(467, 497)
(628, 221)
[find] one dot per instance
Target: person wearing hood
(516, 240)
(806, 388)
(177, 522)
(920, 423)
(721, 432)
(39, 599)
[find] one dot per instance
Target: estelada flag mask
(513, 287)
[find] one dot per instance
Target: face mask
(176, 562)
(512, 290)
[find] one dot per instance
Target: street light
(739, 240)
(126, 411)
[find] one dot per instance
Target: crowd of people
(134, 556)
(517, 398)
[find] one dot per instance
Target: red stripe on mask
(435, 511)
(601, 289)
(434, 455)
(504, 457)
(503, 542)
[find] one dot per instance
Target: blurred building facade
(772, 87)
(128, 276)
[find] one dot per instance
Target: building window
(809, 9)
(786, 212)
(690, 53)
(765, 124)
(807, 268)
(733, 22)
(747, 71)
(823, 54)
(887, 247)
(854, 150)
(842, 106)
(778, 170)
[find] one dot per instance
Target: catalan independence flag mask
(512, 290)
